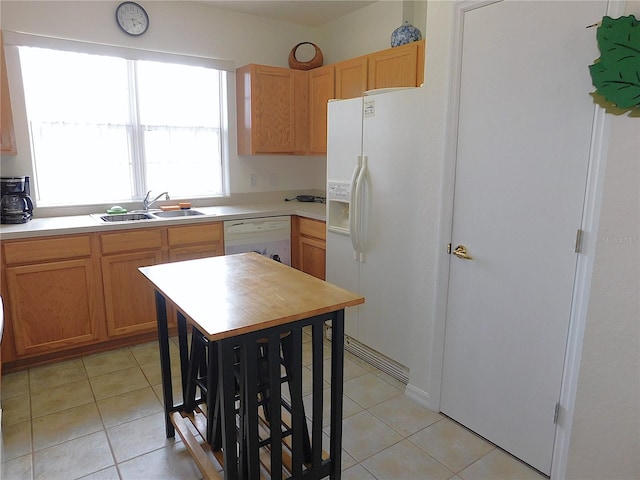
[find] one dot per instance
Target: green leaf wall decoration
(616, 74)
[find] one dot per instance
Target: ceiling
(311, 13)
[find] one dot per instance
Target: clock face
(132, 18)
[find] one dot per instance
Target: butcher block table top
(231, 295)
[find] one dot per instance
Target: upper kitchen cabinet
(321, 90)
(272, 110)
(284, 111)
(397, 67)
(7, 135)
(351, 77)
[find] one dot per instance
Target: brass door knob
(461, 252)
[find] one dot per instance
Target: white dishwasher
(268, 236)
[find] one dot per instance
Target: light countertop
(40, 227)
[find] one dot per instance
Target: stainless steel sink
(126, 217)
(177, 213)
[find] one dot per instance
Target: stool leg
(196, 362)
(296, 400)
(214, 426)
(263, 379)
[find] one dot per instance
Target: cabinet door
(7, 135)
(129, 297)
(351, 78)
(273, 95)
(321, 90)
(312, 257)
(311, 246)
(300, 112)
(397, 67)
(55, 306)
(272, 110)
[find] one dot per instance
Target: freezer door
(344, 146)
(344, 138)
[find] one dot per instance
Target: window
(106, 129)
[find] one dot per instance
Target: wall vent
(385, 364)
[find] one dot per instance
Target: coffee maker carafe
(15, 203)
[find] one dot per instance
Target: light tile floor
(100, 417)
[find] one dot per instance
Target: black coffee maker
(15, 203)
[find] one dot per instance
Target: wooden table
(238, 302)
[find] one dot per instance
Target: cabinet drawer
(313, 228)
(131, 241)
(27, 251)
(194, 234)
(193, 252)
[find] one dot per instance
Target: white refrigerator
(376, 170)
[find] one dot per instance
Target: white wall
(178, 27)
(363, 31)
(605, 438)
(426, 340)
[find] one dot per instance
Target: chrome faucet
(146, 203)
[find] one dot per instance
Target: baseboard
(419, 396)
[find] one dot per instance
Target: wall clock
(132, 18)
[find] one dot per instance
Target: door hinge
(556, 413)
(579, 235)
(449, 249)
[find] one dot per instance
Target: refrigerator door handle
(360, 202)
(353, 211)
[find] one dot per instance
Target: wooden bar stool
(202, 379)
(203, 358)
(264, 365)
(264, 387)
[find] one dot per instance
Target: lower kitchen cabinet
(129, 297)
(309, 253)
(67, 295)
(53, 299)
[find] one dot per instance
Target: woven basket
(315, 62)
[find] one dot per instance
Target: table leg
(165, 362)
(337, 375)
(226, 399)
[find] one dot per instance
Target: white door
(344, 146)
(524, 131)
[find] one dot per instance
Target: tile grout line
(144, 354)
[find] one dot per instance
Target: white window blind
(106, 129)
